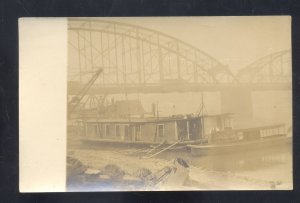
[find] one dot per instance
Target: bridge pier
(239, 102)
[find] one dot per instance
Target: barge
(243, 140)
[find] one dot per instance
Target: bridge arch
(275, 68)
(133, 55)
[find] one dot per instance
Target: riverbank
(200, 177)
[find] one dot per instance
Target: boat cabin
(156, 130)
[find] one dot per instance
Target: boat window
(117, 130)
(281, 130)
(160, 130)
(138, 128)
(107, 130)
(100, 130)
(227, 123)
(126, 130)
(138, 132)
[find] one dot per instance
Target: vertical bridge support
(239, 102)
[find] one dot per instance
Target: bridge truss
(133, 55)
(273, 68)
(138, 59)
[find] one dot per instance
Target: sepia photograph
(179, 103)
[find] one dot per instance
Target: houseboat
(183, 130)
(128, 124)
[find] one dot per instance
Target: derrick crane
(83, 92)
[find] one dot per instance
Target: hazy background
(234, 41)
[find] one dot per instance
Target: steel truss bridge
(137, 59)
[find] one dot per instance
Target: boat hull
(213, 149)
(130, 144)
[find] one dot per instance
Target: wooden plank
(162, 150)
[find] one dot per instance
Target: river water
(271, 164)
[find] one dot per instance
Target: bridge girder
(74, 88)
(137, 59)
(134, 55)
(273, 68)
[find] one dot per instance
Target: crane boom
(83, 92)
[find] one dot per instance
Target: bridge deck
(74, 88)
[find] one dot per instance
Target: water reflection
(239, 161)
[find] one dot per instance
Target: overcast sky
(234, 41)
